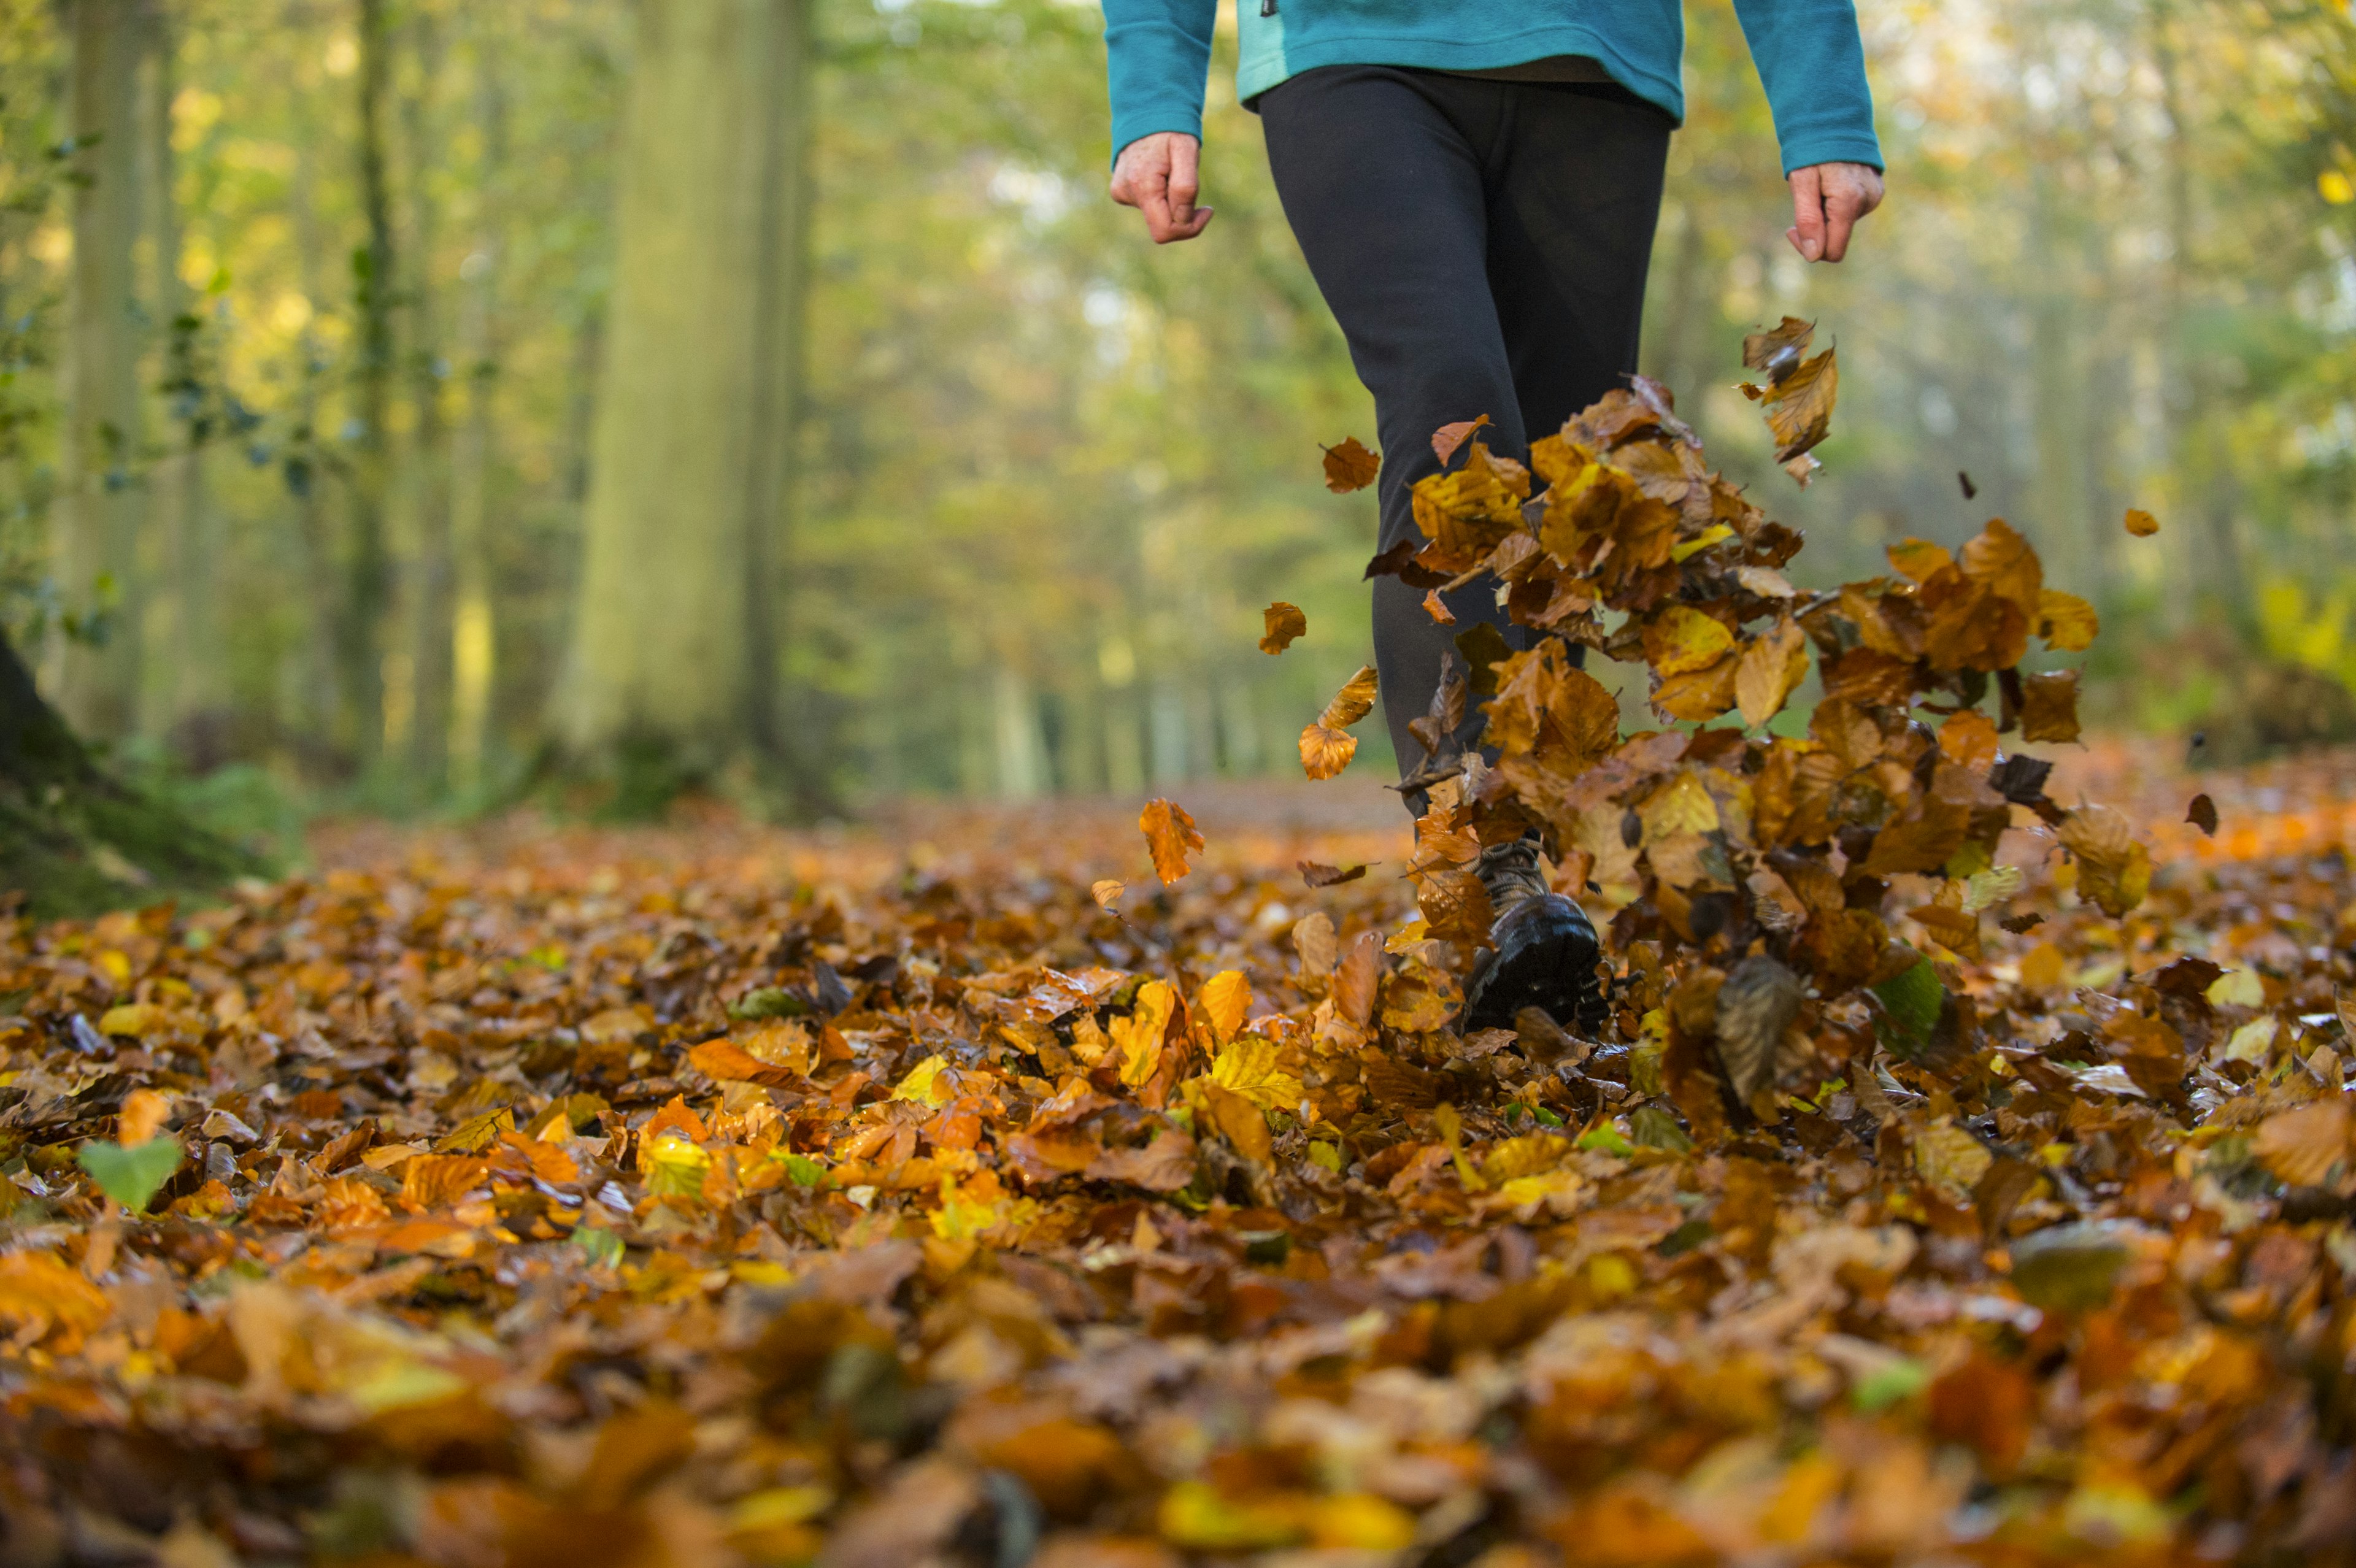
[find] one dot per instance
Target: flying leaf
(2203, 813)
(133, 1175)
(1681, 638)
(1770, 669)
(1170, 833)
(1350, 466)
(2050, 709)
(2067, 623)
(1436, 608)
(1319, 875)
(2141, 523)
(143, 1113)
(1325, 752)
(1107, 891)
(1919, 558)
(1758, 1001)
(1284, 622)
(2113, 869)
(1352, 702)
(1448, 438)
(1777, 352)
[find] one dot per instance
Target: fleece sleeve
(1159, 58)
(1812, 62)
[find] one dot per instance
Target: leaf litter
(927, 1210)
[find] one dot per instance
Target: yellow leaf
(1701, 541)
(1138, 1037)
(1226, 998)
(2141, 523)
(1681, 638)
(2067, 623)
(923, 1083)
(1169, 833)
(1949, 1157)
(1681, 805)
(676, 1166)
(133, 1019)
(1248, 1067)
(1107, 892)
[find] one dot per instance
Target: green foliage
(1910, 1002)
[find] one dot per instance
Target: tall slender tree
(674, 649)
(368, 560)
(473, 633)
(428, 456)
(99, 495)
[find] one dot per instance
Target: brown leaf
(1758, 1001)
(431, 1181)
(1107, 891)
(1353, 980)
(2303, 1145)
(1319, 875)
(1284, 622)
(1800, 409)
(2141, 523)
(1919, 558)
(1170, 833)
(1777, 352)
(1436, 608)
(2203, 813)
(1350, 466)
(2050, 706)
(2113, 869)
(1448, 438)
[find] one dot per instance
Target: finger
(1808, 213)
(1184, 178)
(1154, 200)
(1201, 221)
(1841, 213)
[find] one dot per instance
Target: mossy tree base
(74, 840)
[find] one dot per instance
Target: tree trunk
(367, 564)
(674, 646)
(192, 687)
(99, 498)
(430, 621)
(474, 641)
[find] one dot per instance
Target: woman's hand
(1157, 175)
(1826, 201)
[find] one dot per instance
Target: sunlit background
(979, 492)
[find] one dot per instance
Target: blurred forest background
(416, 405)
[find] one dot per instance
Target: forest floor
(532, 1195)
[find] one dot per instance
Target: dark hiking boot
(1546, 950)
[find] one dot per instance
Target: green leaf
(1911, 1001)
(1885, 1386)
(769, 1002)
(1606, 1138)
(805, 1171)
(2073, 1268)
(131, 1176)
(604, 1248)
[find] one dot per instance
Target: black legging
(1482, 244)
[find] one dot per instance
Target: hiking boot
(1545, 953)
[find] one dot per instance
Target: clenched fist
(1157, 176)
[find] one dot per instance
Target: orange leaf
(2141, 523)
(1352, 702)
(1769, 671)
(437, 1181)
(1284, 623)
(2302, 1145)
(1435, 607)
(1449, 437)
(143, 1111)
(1350, 466)
(1969, 739)
(1169, 833)
(1918, 559)
(1325, 752)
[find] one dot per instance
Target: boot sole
(1553, 970)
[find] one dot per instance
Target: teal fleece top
(1809, 55)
